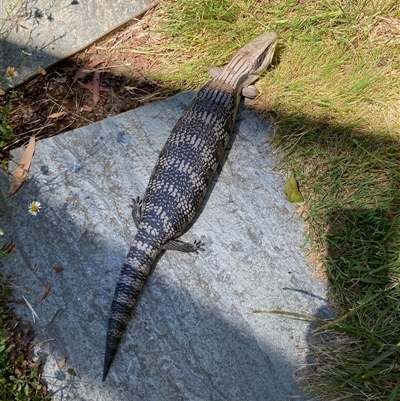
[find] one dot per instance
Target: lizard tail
(133, 275)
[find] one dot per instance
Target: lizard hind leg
(178, 245)
(173, 244)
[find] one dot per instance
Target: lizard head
(248, 62)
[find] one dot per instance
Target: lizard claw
(137, 210)
(198, 246)
(136, 203)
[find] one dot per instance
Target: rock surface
(193, 335)
(38, 33)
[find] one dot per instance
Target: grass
(333, 94)
(352, 193)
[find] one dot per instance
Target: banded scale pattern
(188, 161)
(181, 177)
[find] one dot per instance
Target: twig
(30, 307)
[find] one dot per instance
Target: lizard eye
(264, 58)
(258, 63)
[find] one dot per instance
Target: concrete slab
(193, 335)
(38, 33)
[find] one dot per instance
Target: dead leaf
(59, 114)
(21, 172)
(86, 69)
(95, 88)
(17, 372)
(86, 108)
(292, 189)
(58, 268)
(46, 293)
(61, 364)
(71, 372)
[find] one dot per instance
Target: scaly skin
(181, 177)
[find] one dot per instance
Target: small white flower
(11, 72)
(34, 208)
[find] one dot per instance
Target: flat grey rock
(51, 30)
(193, 335)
